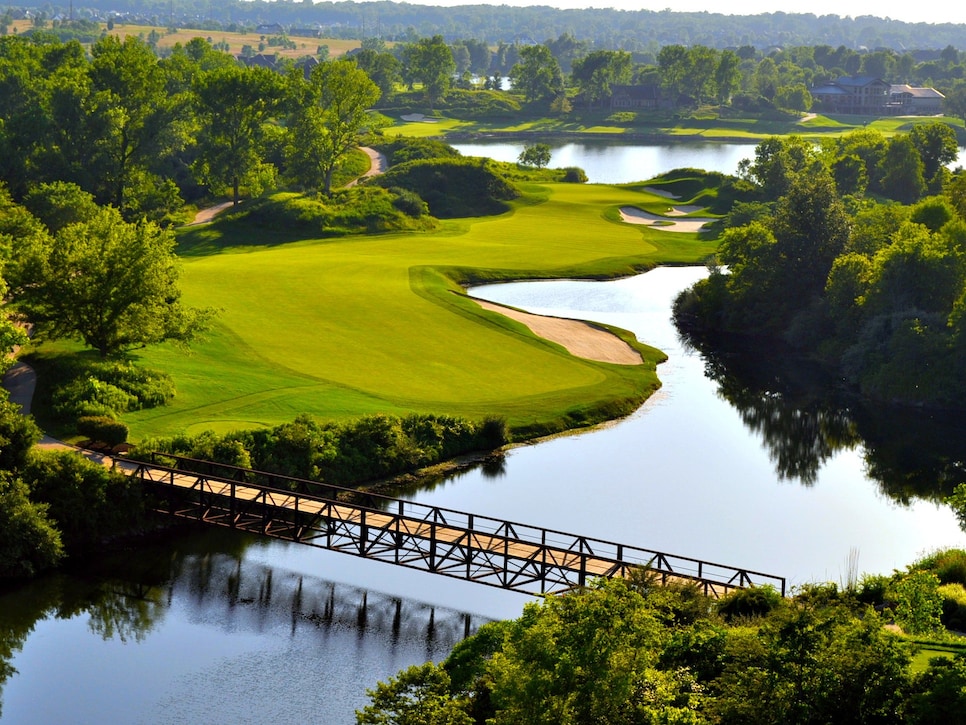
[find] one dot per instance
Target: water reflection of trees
(804, 417)
(125, 597)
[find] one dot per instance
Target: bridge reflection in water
(522, 558)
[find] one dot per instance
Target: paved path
(377, 165)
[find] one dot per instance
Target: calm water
(615, 163)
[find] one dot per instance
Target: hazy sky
(932, 11)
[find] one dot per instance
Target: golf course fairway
(339, 328)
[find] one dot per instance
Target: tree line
(636, 652)
(854, 252)
(635, 31)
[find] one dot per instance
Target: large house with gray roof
(868, 96)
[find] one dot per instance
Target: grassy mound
(454, 187)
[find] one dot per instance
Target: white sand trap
(579, 338)
(633, 215)
(417, 117)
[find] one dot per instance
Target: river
(757, 472)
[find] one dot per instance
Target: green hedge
(370, 448)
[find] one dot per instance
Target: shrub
(87, 501)
(954, 606)
(751, 602)
(873, 589)
(107, 389)
(454, 187)
(102, 429)
(574, 175)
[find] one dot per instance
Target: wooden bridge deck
(509, 555)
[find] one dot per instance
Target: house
(637, 97)
(909, 101)
(853, 94)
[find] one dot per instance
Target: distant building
(853, 94)
(909, 101)
(270, 29)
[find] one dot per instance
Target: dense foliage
(372, 447)
(631, 652)
(454, 187)
(845, 258)
(637, 31)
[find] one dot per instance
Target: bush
(949, 565)
(87, 501)
(106, 388)
(102, 429)
(751, 602)
(372, 447)
(954, 607)
(574, 175)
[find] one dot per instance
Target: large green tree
(537, 74)
(429, 61)
(109, 283)
(595, 73)
(131, 117)
(233, 105)
(331, 110)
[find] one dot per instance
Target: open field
(235, 41)
(340, 328)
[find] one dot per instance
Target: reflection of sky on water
(236, 643)
(616, 163)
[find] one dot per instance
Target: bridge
(505, 554)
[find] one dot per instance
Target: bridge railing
(615, 557)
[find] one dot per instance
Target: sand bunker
(417, 117)
(579, 338)
(633, 215)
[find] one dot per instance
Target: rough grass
(362, 325)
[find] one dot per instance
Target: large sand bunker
(579, 338)
(633, 215)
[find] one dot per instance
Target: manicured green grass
(710, 127)
(365, 324)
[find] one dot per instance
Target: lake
(610, 162)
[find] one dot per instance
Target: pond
(615, 162)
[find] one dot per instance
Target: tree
(901, 171)
(537, 74)
(419, 695)
(381, 67)
(595, 73)
(536, 154)
(109, 283)
(233, 104)
(429, 61)
(29, 543)
(333, 108)
(727, 76)
(937, 146)
(131, 117)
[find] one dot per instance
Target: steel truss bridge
(505, 554)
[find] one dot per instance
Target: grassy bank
(341, 328)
